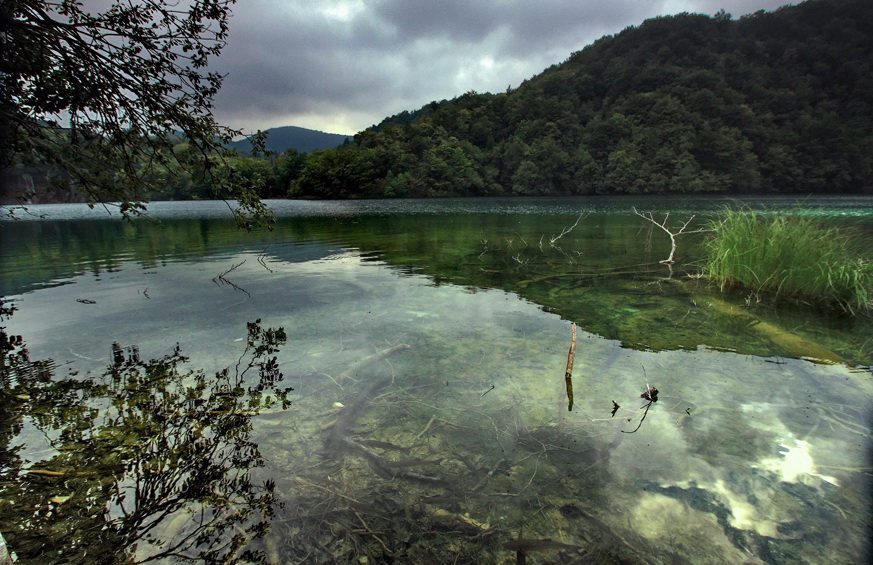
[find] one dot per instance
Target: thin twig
(370, 532)
(426, 428)
(649, 405)
(565, 231)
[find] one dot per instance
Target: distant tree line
(772, 102)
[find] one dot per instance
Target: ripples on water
(851, 206)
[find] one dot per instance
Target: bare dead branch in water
(568, 374)
(565, 231)
(672, 233)
(650, 394)
(354, 369)
(426, 428)
(370, 532)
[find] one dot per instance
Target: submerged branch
(565, 231)
(568, 374)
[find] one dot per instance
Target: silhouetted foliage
(149, 460)
(98, 99)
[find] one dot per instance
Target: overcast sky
(341, 66)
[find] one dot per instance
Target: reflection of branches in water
(647, 406)
(220, 279)
(262, 259)
(152, 461)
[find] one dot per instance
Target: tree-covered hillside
(690, 103)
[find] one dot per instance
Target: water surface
(426, 344)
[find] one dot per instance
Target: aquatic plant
(789, 257)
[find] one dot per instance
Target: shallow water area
(429, 418)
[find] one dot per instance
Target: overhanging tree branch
(127, 84)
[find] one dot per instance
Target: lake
(385, 380)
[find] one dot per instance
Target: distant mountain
(303, 140)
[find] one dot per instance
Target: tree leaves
(101, 98)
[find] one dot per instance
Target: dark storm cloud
(343, 65)
(528, 25)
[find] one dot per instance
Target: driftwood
(565, 231)
(568, 374)
(384, 469)
(352, 411)
(607, 272)
(792, 343)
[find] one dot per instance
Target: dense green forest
(771, 102)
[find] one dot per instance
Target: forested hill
(779, 101)
(292, 137)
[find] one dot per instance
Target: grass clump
(789, 257)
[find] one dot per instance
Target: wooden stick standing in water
(568, 375)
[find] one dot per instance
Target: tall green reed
(789, 257)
